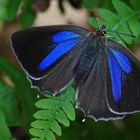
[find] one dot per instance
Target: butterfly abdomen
(83, 68)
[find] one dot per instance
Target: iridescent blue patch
(123, 61)
(63, 42)
(57, 52)
(115, 72)
(63, 36)
(118, 63)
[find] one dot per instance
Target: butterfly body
(106, 73)
(88, 58)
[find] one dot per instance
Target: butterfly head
(101, 31)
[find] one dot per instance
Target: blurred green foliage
(89, 4)
(5, 133)
(123, 20)
(17, 99)
(10, 9)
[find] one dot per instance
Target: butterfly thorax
(100, 32)
(94, 47)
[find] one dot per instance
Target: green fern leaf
(55, 127)
(49, 135)
(40, 124)
(68, 109)
(49, 103)
(35, 139)
(61, 118)
(53, 112)
(128, 14)
(37, 133)
(44, 114)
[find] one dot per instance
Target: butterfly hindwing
(123, 82)
(40, 49)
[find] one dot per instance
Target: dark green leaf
(90, 3)
(25, 94)
(9, 104)
(27, 18)
(113, 23)
(12, 9)
(3, 4)
(135, 4)
(28, 15)
(123, 23)
(4, 130)
(110, 18)
(8, 9)
(129, 16)
(92, 22)
(122, 9)
(76, 4)
(61, 6)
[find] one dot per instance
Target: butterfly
(106, 73)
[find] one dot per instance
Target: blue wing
(123, 80)
(119, 66)
(63, 42)
(40, 49)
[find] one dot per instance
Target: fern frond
(53, 112)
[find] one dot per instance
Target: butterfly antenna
(123, 34)
(91, 14)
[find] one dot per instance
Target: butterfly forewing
(40, 49)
